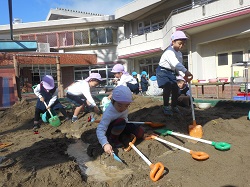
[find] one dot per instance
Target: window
(52, 39)
(101, 36)
(81, 37)
(109, 33)
(237, 56)
(38, 72)
(93, 36)
(81, 73)
(222, 59)
(75, 38)
(149, 65)
(104, 71)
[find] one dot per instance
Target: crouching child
(114, 125)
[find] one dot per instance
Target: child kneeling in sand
(114, 123)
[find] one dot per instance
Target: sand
(58, 156)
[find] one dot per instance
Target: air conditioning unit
(43, 47)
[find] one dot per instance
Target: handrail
(187, 7)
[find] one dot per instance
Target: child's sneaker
(167, 110)
(67, 119)
(36, 127)
(176, 110)
(74, 119)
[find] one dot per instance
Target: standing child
(124, 78)
(144, 82)
(184, 92)
(47, 92)
(113, 126)
(170, 63)
(79, 94)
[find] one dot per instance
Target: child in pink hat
(47, 92)
(114, 127)
(171, 63)
(125, 79)
(79, 94)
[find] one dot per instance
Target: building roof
(31, 58)
(62, 13)
(138, 9)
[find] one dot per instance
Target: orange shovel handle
(199, 155)
(156, 171)
(133, 142)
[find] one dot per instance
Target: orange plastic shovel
(151, 124)
(156, 169)
(5, 144)
(194, 129)
(196, 155)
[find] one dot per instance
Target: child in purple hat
(47, 92)
(79, 94)
(170, 64)
(114, 127)
(125, 79)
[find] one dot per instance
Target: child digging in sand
(114, 125)
(47, 92)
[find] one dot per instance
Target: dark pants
(166, 79)
(133, 87)
(77, 100)
(184, 100)
(119, 128)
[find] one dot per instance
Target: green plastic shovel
(222, 146)
(54, 120)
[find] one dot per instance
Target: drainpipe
(190, 56)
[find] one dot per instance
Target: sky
(37, 10)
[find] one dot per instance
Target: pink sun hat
(48, 82)
(94, 76)
(178, 35)
(122, 94)
(117, 68)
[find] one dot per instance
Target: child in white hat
(170, 63)
(47, 92)
(114, 125)
(79, 94)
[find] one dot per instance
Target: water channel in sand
(94, 169)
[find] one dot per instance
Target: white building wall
(211, 10)
(140, 43)
(104, 54)
(205, 47)
(210, 51)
